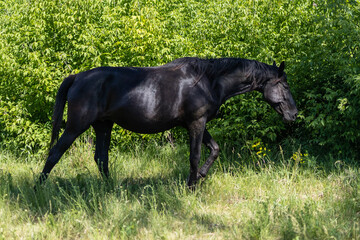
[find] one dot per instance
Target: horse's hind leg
(214, 153)
(66, 139)
(103, 136)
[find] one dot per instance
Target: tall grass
(243, 197)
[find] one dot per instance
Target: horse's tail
(60, 102)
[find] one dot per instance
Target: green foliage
(327, 71)
(41, 42)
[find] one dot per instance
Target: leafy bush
(41, 42)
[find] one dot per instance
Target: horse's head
(277, 93)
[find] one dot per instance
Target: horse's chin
(289, 118)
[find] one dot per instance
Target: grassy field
(244, 197)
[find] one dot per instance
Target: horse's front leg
(214, 153)
(196, 132)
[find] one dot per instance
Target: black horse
(186, 92)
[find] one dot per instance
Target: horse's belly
(143, 122)
(141, 126)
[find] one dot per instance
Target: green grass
(146, 197)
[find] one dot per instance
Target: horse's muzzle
(290, 116)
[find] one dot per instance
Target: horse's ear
(281, 69)
(274, 64)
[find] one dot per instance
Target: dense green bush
(41, 42)
(326, 68)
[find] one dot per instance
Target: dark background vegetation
(41, 42)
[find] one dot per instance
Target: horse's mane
(213, 68)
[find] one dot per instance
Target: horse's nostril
(295, 115)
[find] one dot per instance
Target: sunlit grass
(146, 197)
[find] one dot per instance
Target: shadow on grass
(90, 192)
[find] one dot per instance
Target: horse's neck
(235, 83)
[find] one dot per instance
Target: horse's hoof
(200, 175)
(191, 184)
